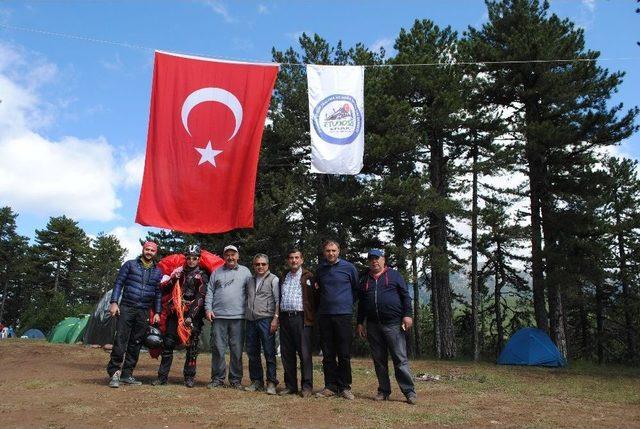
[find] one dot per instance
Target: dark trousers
(171, 340)
(259, 336)
(385, 340)
(226, 333)
(295, 338)
(131, 326)
(336, 334)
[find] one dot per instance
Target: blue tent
(35, 334)
(531, 346)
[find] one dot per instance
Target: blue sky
(74, 112)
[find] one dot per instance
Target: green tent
(69, 330)
(77, 331)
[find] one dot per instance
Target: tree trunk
(56, 284)
(537, 267)
(626, 298)
(497, 298)
(600, 323)
(554, 280)
(440, 261)
(5, 289)
(416, 291)
(475, 295)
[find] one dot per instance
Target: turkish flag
(205, 130)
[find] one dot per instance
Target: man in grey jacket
(225, 309)
(263, 299)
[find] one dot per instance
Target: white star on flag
(207, 154)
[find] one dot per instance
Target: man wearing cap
(298, 302)
(225, 308)
(137, 289)
(385, 305)
(192, 281)
(337, 282)
(263, 300)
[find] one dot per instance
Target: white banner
(336, 116)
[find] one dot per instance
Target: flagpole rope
(434, 64)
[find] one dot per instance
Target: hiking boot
(131, 381)
(254, 387)
(347, 394)
(381, 397)
(412, 399)
(271, 388)
(287, 391)
(215, 384)
(236, 386)
(159, 382)
(325, 393)
(189, 382)
(115, 380)
(306, 393)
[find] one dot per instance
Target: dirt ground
(65, 386)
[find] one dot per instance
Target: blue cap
(376, 253)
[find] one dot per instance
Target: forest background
(487, 179)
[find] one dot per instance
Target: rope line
(434, 64)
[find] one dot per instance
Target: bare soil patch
(65, 386)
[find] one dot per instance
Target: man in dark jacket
(298, 301)
(337, 281)
(193, 284)
(138, 282)
(385, 305)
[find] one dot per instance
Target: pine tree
(13, 251)
(559, 114)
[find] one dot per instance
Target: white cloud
(385, 43)
(130, 237)
(220, 8)
(133, 170)
(114, 64)
(72, 176)
(263, 9)
(589, 4)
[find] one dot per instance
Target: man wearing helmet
(192, 280)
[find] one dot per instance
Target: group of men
(242, 306)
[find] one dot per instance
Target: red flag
(205, 129)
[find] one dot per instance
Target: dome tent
(531, 346)
(34, 334)
(69, 330)
(101, 328)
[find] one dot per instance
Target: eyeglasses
(192, 258)
(260, 264)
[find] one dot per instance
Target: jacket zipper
(375, 298)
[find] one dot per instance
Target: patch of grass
(79, 410)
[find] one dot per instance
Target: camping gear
(153, 338)
(101, 328)
(531, 346)
(69, 330)
(34, 334)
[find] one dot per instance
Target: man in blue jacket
(337, 282)
(138, 282)
(385, 304)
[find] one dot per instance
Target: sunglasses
(192, 258)
(260, 264)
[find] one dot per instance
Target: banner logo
(337, 119)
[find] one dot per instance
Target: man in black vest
(138, 282)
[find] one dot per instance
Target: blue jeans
(386, 340)
(257, 334)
